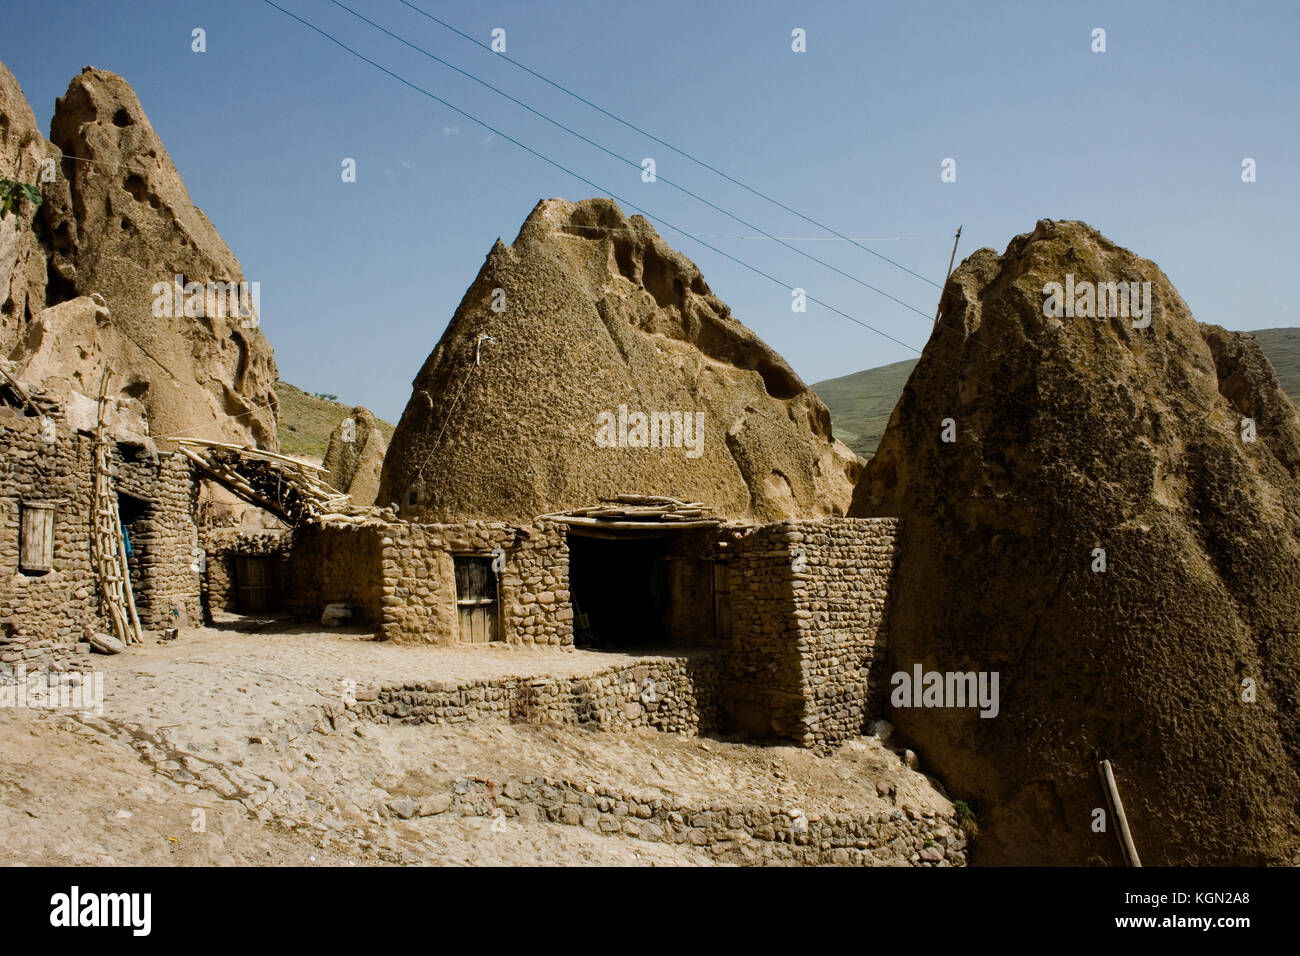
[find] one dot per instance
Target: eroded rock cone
(355, 456)
(599, 322)
(22, 257)
(118, 221)
(1180, 661)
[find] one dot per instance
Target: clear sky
(358, 280)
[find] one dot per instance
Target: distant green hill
(306, 421)
(861, 403)
(1282, 346)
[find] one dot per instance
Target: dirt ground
(228, 723)
(70, 796)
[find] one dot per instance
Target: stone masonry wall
(400, 577)
(164, 561)
(671, 694)
(41, 615)
(766, 693)
(809, 597)
(336, 564)
(221, 547)
(841, 599)
(419, 583)
(744, 834)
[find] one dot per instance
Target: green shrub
(12, 193)
(966, 818)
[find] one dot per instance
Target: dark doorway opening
(619, 591)
(133, 512)
(131, 509)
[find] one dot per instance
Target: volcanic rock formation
(22, 257)
(355, 456)
(589, 359)
(117, 221)
(1111, 535)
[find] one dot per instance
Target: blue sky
(358, 280)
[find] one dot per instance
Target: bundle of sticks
(640, 508)
(41, 402)
(292, 490)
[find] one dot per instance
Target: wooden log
(599, 523)
(114, 611)
(249, 452)
(18, 391)
(633, 499)
(126, 580)
(1127, 846)
(238, 486)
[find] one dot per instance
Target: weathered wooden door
(476, 599)
(721, 602)
(258, 577)
(36, 537)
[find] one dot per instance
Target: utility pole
(951, 259)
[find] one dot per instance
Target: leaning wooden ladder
(108, 547)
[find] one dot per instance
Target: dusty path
(73, 796)
(236, 725)
(219, 682)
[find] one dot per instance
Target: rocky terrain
(1108, 533)
(1105, 513)
(23, 256)
(249, 726)
(355, 455)
(306, 422)
(597, 320)
(862, 402)
(78, 276)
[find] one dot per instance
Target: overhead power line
(630, 162)
(599, 188)
(662, 142)
(717, 235)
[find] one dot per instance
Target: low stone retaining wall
(40, 653)
(675, 695)
(672, 695)
(745, 835)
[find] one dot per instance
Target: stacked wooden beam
(638, 511)
(292, 490)
(42, 403)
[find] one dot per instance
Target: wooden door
(721, 601)
(258, 578)
(36, 537)
(476, 599)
